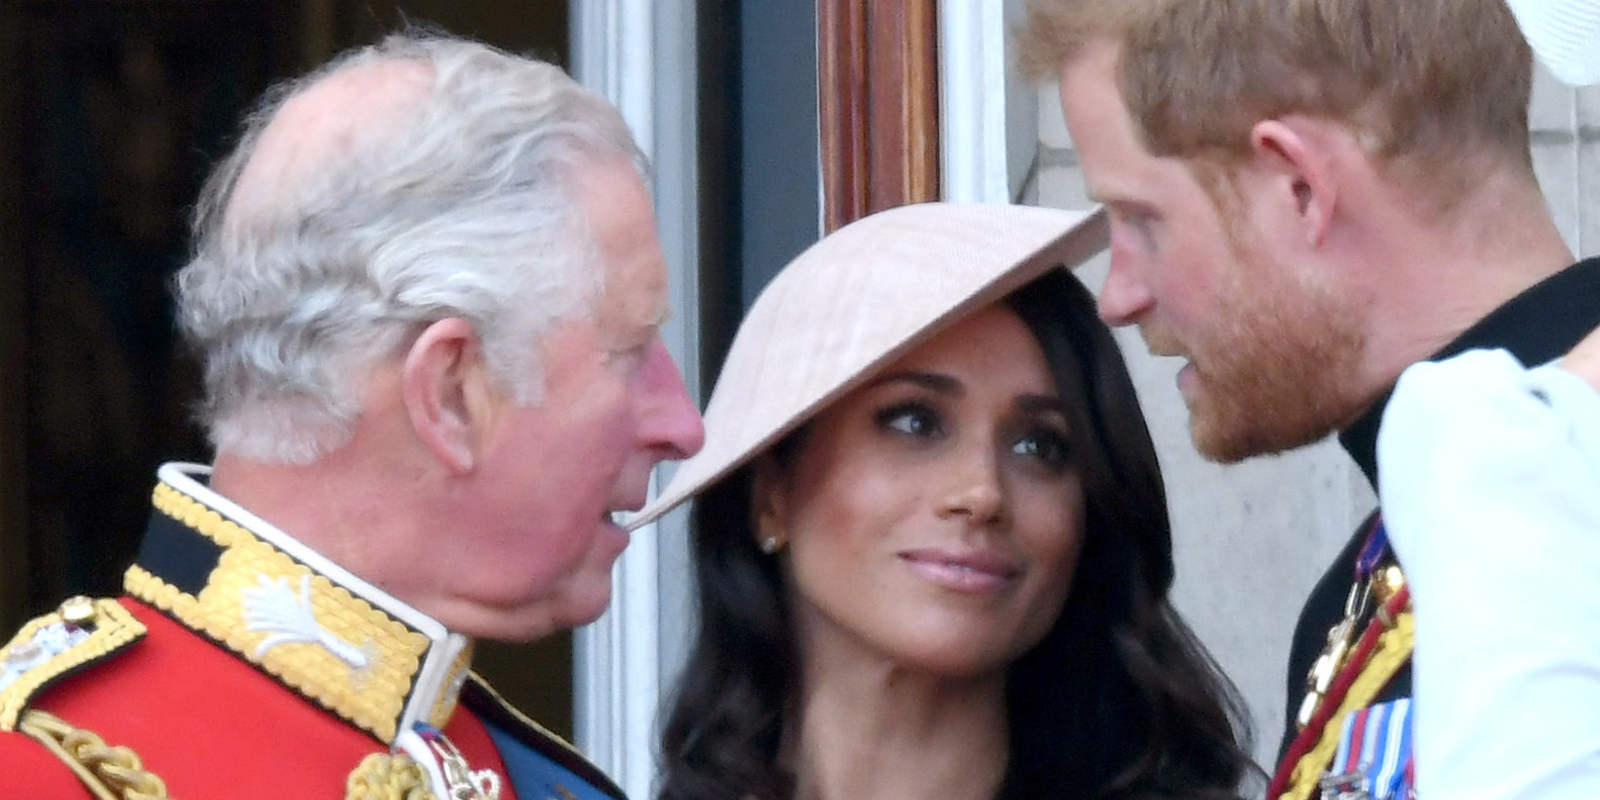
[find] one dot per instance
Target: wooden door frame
(878, 94)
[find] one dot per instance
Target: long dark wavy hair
(1119, 700)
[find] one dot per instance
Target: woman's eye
(911, 420)
(1045, 446)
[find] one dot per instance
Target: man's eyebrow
(1110, 195)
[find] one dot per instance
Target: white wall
(1252, 539)
(1566, 157)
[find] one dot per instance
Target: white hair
(464, 209)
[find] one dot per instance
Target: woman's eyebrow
(932, 381)
(1042, 404)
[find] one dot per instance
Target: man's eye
(626, 357)
(1141, 224)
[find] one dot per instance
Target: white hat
(857, 300)
(1565, 35)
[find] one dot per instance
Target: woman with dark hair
(931, 539)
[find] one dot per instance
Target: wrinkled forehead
(619, 218)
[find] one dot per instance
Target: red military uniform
(242, 664)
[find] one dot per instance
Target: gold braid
(115, 772)
(382, 776)
(112, 773)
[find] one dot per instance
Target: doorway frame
(640, 55)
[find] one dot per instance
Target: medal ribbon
(1373, 551)
(1375, 752)
(1371, 554)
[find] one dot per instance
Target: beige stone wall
(1251, 539)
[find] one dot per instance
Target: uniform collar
(337, 640)
(1539, 325)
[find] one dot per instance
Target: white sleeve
(1489, 475)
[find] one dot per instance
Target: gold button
(78, 610)
(1387, 583)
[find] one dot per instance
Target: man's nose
(669, 419)
(1125, 296)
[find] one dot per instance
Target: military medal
(1374, 760)
(1356, 606)
(1327, 665)
(70, 628)
(1348, 673)
(449, 774)
(461, 781)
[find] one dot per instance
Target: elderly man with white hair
(427, 291)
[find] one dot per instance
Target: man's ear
(448, 392)
(1296, 160)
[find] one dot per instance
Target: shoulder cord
(111, 772)
(383, 776)
(116, 773)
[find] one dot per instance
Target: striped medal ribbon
(1374, 760)
(1352, 666)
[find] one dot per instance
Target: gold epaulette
(80, 632)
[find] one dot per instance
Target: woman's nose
(974, 486)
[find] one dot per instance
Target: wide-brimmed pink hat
(857, 300)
